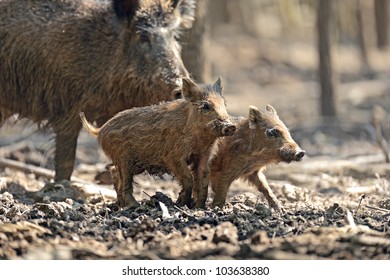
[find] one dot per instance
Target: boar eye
(205, 107)
(272, 132)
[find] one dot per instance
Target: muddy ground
(337, 199)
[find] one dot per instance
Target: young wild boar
(61, 57)
(166, 138)
(260, 140)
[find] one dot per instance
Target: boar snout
(222, 128)
(229, 129)
(289, 154)
(299, 155)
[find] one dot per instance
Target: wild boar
(260, 140)
(60, 57)
(174, 137)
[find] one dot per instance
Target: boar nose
(299, 155)
(229, 130)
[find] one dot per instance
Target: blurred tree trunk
(362, 35)
(220, 13)
(328, 105)
(194, 44)
(381, 23)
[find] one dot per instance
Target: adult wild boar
(261, 139)
(61, 57)
(174, 137)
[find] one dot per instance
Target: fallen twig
(27, 168)
(385, 215)
(377, 208)
(36, 170)
(147, 194)
(184, 212)
(84, 187)
(360, 203)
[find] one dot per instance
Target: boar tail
(88, 126)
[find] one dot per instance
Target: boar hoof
(127, 201)
(219, 204)
(200, 204)
(181, 201)
(278, 208)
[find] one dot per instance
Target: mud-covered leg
(125, 187)
(194, 168)
(65, 153)
(260, 182)
(117, 179)
(118, 185)
(220, 188)
(183, 175)
(201, 182)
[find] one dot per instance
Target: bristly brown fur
(168, 137)
(61, 57)
(247, 153)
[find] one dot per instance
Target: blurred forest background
(323, 64)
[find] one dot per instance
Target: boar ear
(125, 8)
(186, 10)
(271, 110)
(218, 85)
(254, 117)
(190, 90)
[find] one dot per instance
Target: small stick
(235, 201)
(385, 215)
(360, 202)
(379, 209)
(27, 168)
(181, 210)
(36, 170)
(147, 194)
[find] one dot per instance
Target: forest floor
(337, 199)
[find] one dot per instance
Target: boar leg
(116, 178)
(184, 176)
(118, 185)
(220, 189)
(124, 188)
(260, 182)
(201, 181)
(65, 153)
